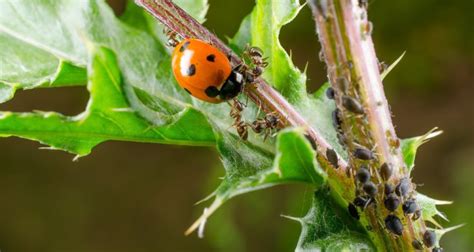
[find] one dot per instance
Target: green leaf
(410, 146)
(328, 227)
(57, 38)
(104, 119)
(262, 29)
(250, 168)
(24, 67)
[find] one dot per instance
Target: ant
(266, 125)
(236, 113)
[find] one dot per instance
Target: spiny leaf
(249, 168)
(54, 37)
(104, 119)
(442, 231)
(429, 209)
(328, 227)
(410, 146)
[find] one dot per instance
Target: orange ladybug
(205, 72)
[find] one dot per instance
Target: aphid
(409, 206)
(391, 202)
(370, 188)
(363, 174)
(382, 66)
(341, 139)
(416, 215)
(437, 249)
(343, 84)
(311, 141)
(393, 224)
(205, 72)
(363, 154)
(361, 201)
(429, 238)
(331, 155)
(353, 211)
(388, 189)
(330, 93)
(417, 244)
(266, 125)
(352, 105)
(336, 120)
(386, 171)
(403, 188)
(363, 4)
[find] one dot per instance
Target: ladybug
(205, 72)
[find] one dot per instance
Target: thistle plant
(340, 139)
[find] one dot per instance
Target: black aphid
(409, 206)
(417, 244)
(388, 189)
(370, 188)
(353, 211)
(403, 188)
(393, 224)
(416, 215)
(391, 202)
(438, 249)
(341, 139)
(361, 201)
(429, 238)
(331, 155)
(386, 171)
(330, 93)
(352, 105)
(336, 120)
(363, 174)
(363, 153)
(311, 141)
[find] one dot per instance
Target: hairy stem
(353, 70)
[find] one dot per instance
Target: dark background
(139, 197)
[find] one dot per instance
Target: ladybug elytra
(205, 72)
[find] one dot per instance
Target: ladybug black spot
(184, 46)
(189, 92)
(211, 57)
(212, 91)
(191, 70)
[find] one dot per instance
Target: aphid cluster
(373, 179)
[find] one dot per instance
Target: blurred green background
(139, 197)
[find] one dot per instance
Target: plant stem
(353, 69)
(259, 92)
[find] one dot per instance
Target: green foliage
(328, 227)
(134, 97)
